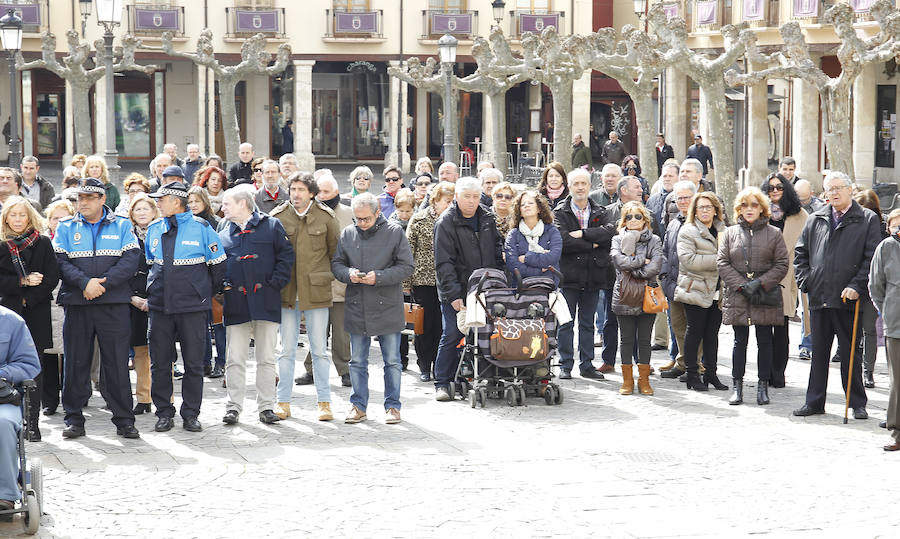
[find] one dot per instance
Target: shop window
(351, 5)
(885, 125)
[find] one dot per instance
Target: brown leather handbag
(631, 290)
(654, 299)
(415, 316)
(519, 340)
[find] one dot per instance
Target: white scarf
(532, 235)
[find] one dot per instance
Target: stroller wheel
(483, 396)
(32, 516)
(521, 395)
(559, 395)
(473, 398)
(549, 395)
(510, 395)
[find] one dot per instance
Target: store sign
(256, 21)
(706, 12)
(754, 10)
(451, 23)
(861, 6)
(155, 19)
(537, 23)
(30, 13)
(806, 8)
(671, 11)
(356, 22)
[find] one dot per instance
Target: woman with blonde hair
(752, 261)
(636, 252)
(95, 167)
(78, 161)
(503, 195)
(133, 184)
(28, 274)
(698, 287)
(141, 211)
(424, 165)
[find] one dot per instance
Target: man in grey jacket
(884, 276)
(372, 259)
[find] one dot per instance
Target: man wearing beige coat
(313, 232)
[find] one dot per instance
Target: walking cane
(852, 353)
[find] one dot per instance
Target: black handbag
(760, 296)
(8, 394)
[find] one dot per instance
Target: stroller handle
(556, 272)
(481, 283)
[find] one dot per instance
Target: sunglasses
(257, 170)
(776, 187)
(633, 217)
(423, 184)
(392, 179)
(753, 205)
(503, 196)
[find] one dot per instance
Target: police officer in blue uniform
(97, 254)
(186, 269)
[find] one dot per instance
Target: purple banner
(155, 19)
(537, 23)
(861, 6)
(706, 12)
(356, 23)
(671, 10)
(754, 10)
(256, 21)
(806, 8)
(451, 23)
(30, 13)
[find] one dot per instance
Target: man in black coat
(701, 153)
(587, 235)
(831, 262)
(465, 239)
(664, 152)
(242, 170)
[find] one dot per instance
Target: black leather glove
(750, 287)
(8, 394)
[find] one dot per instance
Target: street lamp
(498, 6)
(640, 9)
(447, 46)
(109, 15)
(85, 7)
(11, 35)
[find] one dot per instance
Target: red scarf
(18, 244)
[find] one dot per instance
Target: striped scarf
(18, 244)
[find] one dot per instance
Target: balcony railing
(435, 23)
(35, 15)
(526, 21)
(150, 19)
(354, 24)
(247, 21)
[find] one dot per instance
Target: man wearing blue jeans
(465, 239)
(372, 259)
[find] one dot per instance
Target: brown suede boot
(627, 380)
(644, 379)
(283, 410)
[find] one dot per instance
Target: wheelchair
(30, 475)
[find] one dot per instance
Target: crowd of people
(219, 262)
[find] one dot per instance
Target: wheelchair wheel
(521, 395)
(549, 396)
(483, 396)
(32, 517)
(37, 483)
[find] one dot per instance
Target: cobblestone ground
(679, 463)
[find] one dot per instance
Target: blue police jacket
(18, 356)
(186, 264)
(86, 251)
(260, 260)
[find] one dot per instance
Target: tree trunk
(230, 128)
(562, 123)
(81, 112)
(498, 134)
(646, 134)
(720, 140)
(836, 115)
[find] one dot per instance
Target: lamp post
(84, 6)
(447, 46)
(640, 9)
(11, 35)
(498, 6)
(109, 15)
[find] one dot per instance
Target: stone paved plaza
(679, 463)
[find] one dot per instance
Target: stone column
(69, 127)
(488, 150)
(677, 112)
(397, 154)
(421, 119)
(703, 118)
(757, 103)
(864, 112)
(306, 161)
(805, 132)
(581, 107)
(535, 98)
(100, 111)
(206, 138)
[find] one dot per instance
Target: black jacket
(584, 266)
(662, 154)
(458, 250)
(239, 171)
(828, 260)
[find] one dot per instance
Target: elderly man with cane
(831, 263)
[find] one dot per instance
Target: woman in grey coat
(752, 259)
(638, 252)
(373, 259)
(699, 287)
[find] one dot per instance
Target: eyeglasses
(776, 187)
(753, 205)
(135, 191)
(392, 179)
(633, 217)
(423, 184)
(705, 208)
(365, 178)
(364, 219)
(257, 170)
(502, 196)
(836, 189)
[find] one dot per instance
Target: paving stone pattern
(679, 463)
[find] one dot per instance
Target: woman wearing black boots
(752, 262)
(699, 287)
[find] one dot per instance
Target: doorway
(326, 125)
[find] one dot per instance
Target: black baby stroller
(509, 357)
(30, 476)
